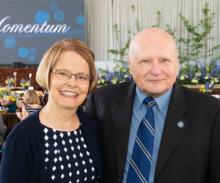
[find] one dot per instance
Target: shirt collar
(162, 101)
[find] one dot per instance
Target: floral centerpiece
(4, 91)
(120, 74)
(7, 100)
(193, 74)
(10, 81)
(196, 73)
(24, 83)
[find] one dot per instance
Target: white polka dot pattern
(67, 157)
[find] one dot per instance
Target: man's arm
(214, 166)
(90, 107)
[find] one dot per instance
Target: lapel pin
(180, 124)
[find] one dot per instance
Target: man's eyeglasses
(66, 75)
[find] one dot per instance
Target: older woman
(59, 143)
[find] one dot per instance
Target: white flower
(194, 81)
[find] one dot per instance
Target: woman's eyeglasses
(66, 75)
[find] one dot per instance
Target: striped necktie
(140, 164)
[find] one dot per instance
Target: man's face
(154, 66)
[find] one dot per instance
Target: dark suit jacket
(187, 155)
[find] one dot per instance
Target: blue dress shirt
(139, 111)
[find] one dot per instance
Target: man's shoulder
(115, 88)
(85, 117)
(198, 97)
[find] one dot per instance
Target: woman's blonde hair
(31, 97)
(51, 56)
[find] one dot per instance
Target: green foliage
(167, 26)
(196, 44)
(200, 64)
(158, 19)
(193, 47)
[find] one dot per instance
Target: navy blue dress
(67, 157)
(35, 153)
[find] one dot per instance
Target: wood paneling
(21, 73)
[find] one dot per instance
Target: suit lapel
(172, 132)
(121, 115)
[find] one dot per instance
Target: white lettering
(6, 28)
(32, 28)
(16, 28)
(27, 28)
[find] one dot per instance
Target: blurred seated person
(29, 104)
(44, 98)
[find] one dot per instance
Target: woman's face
(69, 81)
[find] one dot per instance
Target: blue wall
(29, 28)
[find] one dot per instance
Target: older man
(152, 129)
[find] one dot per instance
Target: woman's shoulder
(26, 126)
